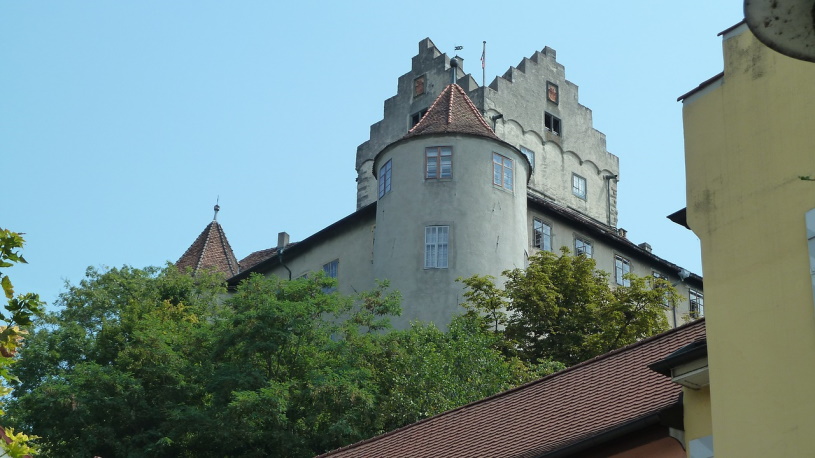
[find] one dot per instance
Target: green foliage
(151, 362)
(561, 308)
(19, 311)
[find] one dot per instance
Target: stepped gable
(452, 113)
(599, 399)
(211, 250)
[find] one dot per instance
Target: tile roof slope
(259, 256)
(452, 113)
(550, 414)
(211, 250)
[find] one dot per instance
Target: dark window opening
(552, 123)
(417, 117)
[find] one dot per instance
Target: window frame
(420, 79)
(330, 266)
(622, 266)
(576, 188)
(586, 243)
(696, 307)
(660, 276)
(438, 157)
(541, 236)
(552, 123)
(414, 120)
(499, 164)
(529, 155)
(385, 178)
(434, 256)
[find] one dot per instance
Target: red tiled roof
(210, 250)
(452, 112)
(259, 256)
(558, 411)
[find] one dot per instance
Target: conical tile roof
(210, 250)
(452, 113)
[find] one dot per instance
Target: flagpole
(484, 64)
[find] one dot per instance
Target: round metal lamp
(786, 26)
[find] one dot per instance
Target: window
(658, 276)
(529, 155)
(331, 270)
(385, 179)
(438, 162)
(502, 171)
(542, 235)
(697, 304)
(622, 266)
(582, 246)
(417, 117)
(552, 123)
(418, 86)
(435, 246)
(579, 186)
(552, 92)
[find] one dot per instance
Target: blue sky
(122, 122)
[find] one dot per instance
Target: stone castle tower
(459, 179)
(532, 107)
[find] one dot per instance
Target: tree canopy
(153, 362)
(19, 311)
(562, 308)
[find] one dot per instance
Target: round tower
(451, 203)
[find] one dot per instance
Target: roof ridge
(231, 260)
(208, 230)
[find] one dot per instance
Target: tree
(20, 309)
(118, 370)
(153, 362)
(562, 308)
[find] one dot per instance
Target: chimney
(645, 246)
(621, 232)
(282, 240)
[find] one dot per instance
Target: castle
(460, 179)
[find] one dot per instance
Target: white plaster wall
(487, 223)
(352, 246)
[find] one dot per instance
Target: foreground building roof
(210, 251)
(559, 415)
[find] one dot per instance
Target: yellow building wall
(696, 404)
(748, 138)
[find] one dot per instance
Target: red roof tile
(210, 250)
(452, 112)
(550, 414)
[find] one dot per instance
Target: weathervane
(217, 207)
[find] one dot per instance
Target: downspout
(608, 179)
(280, 259)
